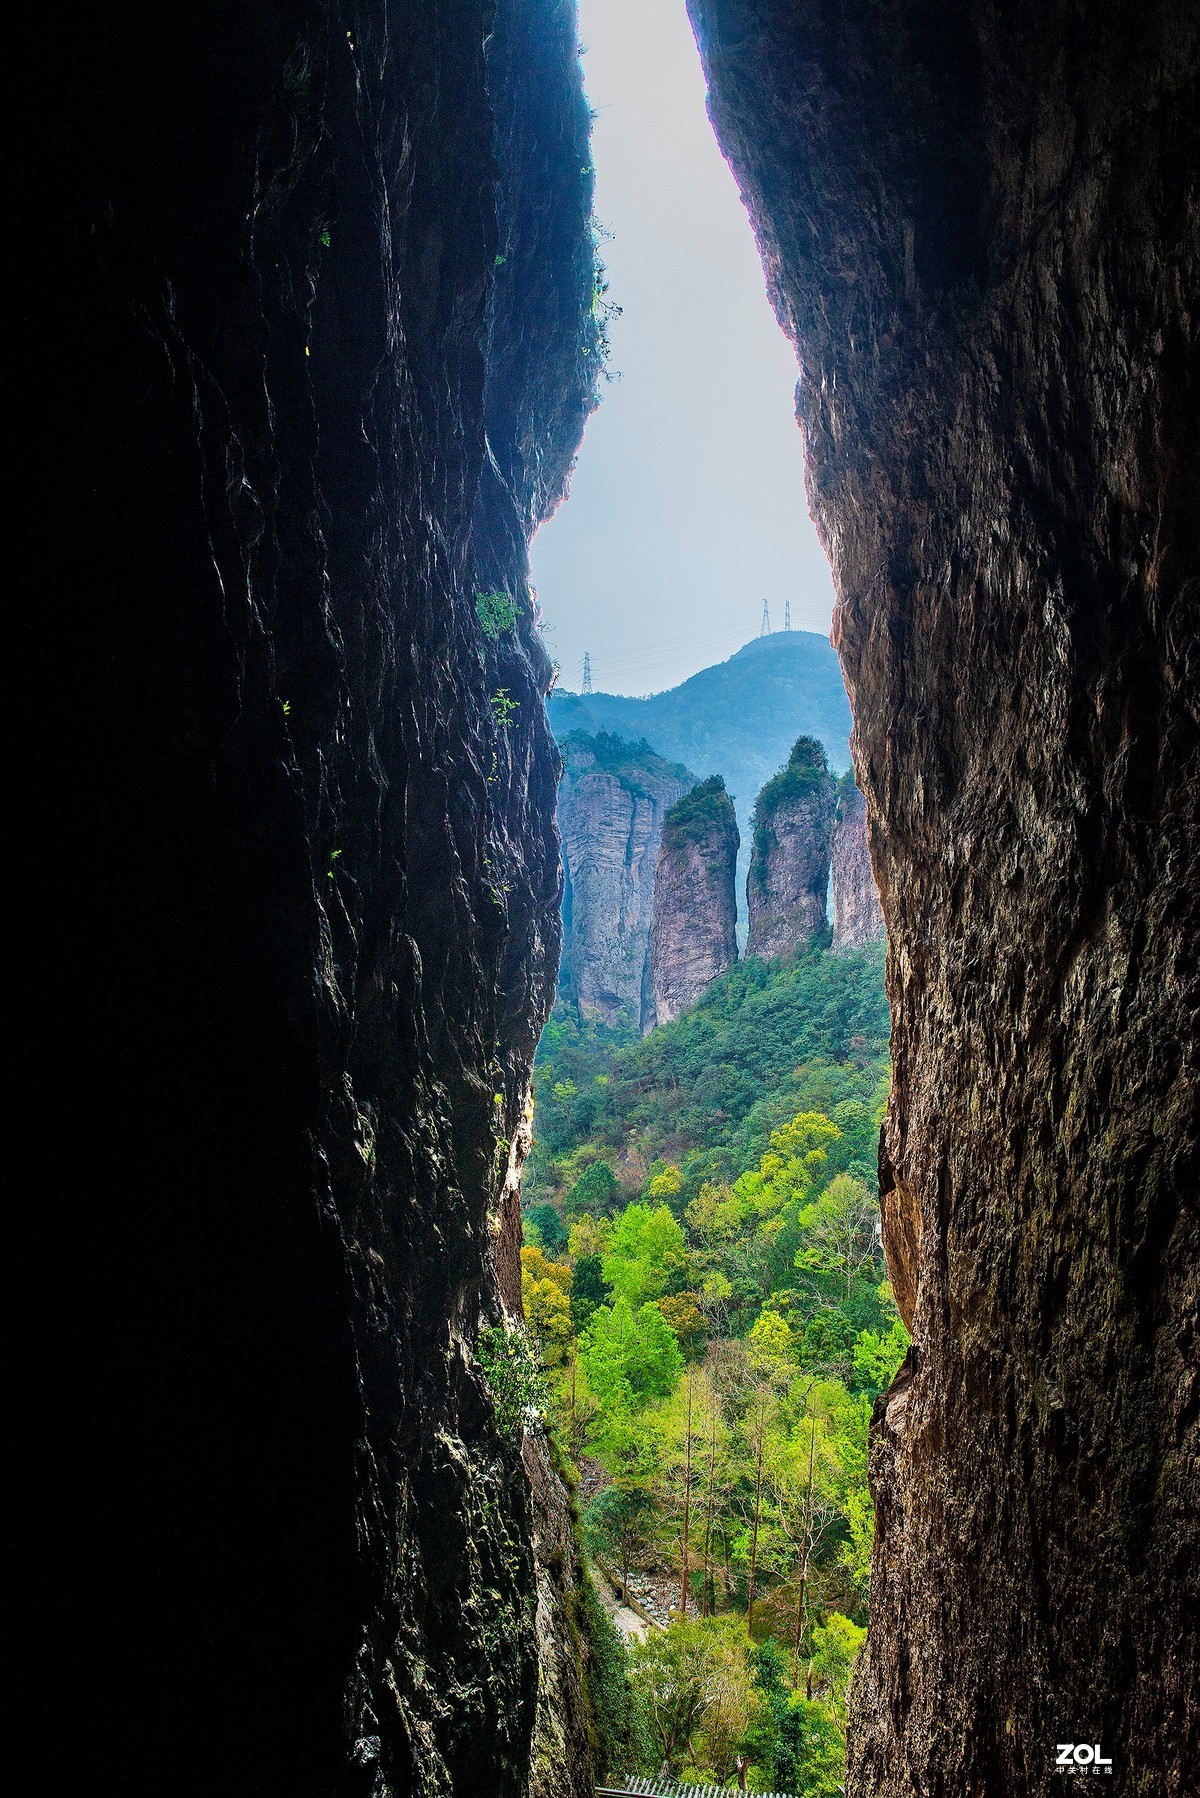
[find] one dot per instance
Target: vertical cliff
(306, 348)
(693, 929)
(980, 226)
(857, 913)
(788, 884)
(612, 802)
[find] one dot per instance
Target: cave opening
(721, 1013)
(686, 513)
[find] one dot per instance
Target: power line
(660, 651)
(764, 629)
(587, 672)
(623, 664)
(787, 614)
(681, 638)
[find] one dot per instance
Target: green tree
(589, 1290)
(750, 1230)
(734, 1706)
(618, 1524)
(840, 1240)
(836, 1644)
(497, 613)
(646, 1255)
(606, 1677)
(771, 1349)
(630, 1356)
(510, 1366)
(595, 1191)
(676, 1675)
(811, 1754)
(877, 1357)
(548, 1314)
(550, 1229)
(665, 1182)
(804, 1480)
(682, 1311)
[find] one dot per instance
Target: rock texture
(980, 227)
(857, 913)
(306, 350)
(788, 883)
(693, 930)
(612, 802)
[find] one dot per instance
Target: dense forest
(704, 1284)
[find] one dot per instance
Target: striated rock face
(612, 802)
(307, 351)
(693, 932)
(980, 226)
(737, 719)
(788, 883)
(857, 913)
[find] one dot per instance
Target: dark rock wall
(290, 873)
(857, 913)
(787, 888)
(693, 927)
(980, 227)
(612, 802)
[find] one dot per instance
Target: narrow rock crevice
(857, 913)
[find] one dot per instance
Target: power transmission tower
(587, 672)
(787, 614)
(764, 629)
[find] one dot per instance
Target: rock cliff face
(788, 883)
(307, 350)
(980, 227)
(857, 913)
(612, 802)
(737, 719)
(693, 931)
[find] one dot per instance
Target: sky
(687, 506)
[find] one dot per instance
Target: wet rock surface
(693, 931)
(980, 228)
(612, 803)
(788, 884)
(302, 364)
(857, 913)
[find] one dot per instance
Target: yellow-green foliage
(731, 1327)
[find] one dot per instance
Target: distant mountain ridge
(738, 718)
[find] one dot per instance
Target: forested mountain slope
(704, 1280)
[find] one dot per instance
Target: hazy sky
(687, 507)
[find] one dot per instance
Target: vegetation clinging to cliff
(617, 756)
(704, 811)
(805, 776)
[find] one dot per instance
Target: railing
(638, 1787)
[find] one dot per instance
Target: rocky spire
(857, 913)
(693, 935)
(612, 802)
(789, 861)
